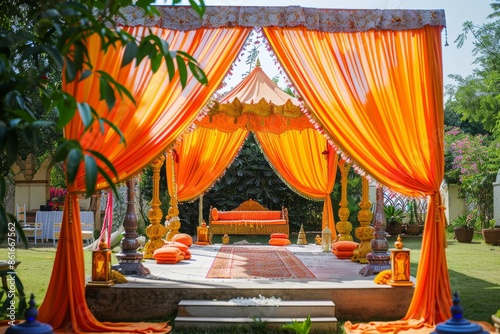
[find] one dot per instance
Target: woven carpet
(257, 262)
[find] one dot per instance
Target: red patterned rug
(257, 262)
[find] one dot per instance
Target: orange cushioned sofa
(248, 218)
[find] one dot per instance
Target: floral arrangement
(254, 301)
(56, 197)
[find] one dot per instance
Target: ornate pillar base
(130, 264)
(377, 262)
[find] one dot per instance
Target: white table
(49, 218)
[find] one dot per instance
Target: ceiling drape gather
(306, 162)
(161, 113)
(379, 96)
(202, 156)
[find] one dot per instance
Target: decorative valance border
(328, 20)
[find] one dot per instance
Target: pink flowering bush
(56, 197)
(472, 162)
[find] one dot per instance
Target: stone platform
(156, 296)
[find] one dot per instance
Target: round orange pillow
(279, 236)
(215, 214)
(168, 255)
(343, 249)
(183, 238)
(279, 242)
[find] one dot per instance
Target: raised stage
(155, 297)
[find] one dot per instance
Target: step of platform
(218, 313)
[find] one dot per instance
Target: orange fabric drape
(379, 96)
(162, 112)
(298, 158)
(203, 156)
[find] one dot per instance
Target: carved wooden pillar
(379, 258)
(365, 232)
(155, 231)
(129, 258)
(344, 227)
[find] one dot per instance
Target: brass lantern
(101, 266)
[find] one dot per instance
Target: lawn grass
(474, 271)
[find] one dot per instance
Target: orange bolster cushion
(175, 244)
(167, 255)
(279, 236)
(344, 249)
(215, 214)
(279, 242)
(183, 238)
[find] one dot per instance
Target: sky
(455, 61)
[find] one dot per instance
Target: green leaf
(198, 73)
(169, 61)
(106, 162)
(85, 75)
(114, 127)
(70, 70)
(181, 67)
(85, 114)
(130, 53)
(200, 9)
(72, 164)
(107, 93)
(155, 63)
(90, 174)
(108, 179)
(66, 106)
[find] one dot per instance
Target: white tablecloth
(49, 218)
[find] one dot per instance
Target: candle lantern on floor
(101, 266)
(202, 234)
(326, 240)
(400, 265)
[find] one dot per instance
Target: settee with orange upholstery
(248, 218)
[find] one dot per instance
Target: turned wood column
(129, 258)
(155, 231)
(365, 232)
(344, 227)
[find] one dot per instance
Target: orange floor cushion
(279, 236)
(279, 242)
(184, 249)
(344, 249)
(168, 255)
(183, 238)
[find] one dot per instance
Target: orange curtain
(202, 157)
(162, 112)
(300, 159)
(379, 95)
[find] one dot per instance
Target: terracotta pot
(491, 236)
(395, 229)
(412, 229)
(464, 234)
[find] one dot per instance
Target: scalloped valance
(328, 20)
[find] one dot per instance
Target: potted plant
(463, 228)
(496, 320)
(491, 235)
(412, 227)
(394, 218)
